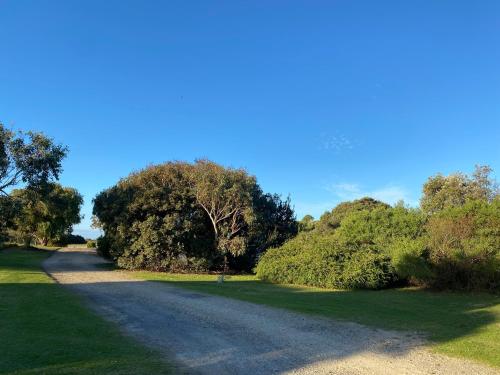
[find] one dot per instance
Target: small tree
(306, 224)
(440, 192)
(226, 195)
(331, 220)
(464, 246)
(48, 214)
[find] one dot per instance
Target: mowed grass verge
(459, 324)
(44, 329)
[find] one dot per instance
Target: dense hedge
(320, 260)
(376, 247)
(353, 256)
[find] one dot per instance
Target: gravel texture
(206, 334)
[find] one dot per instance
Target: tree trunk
(224, 270)
(27, 241)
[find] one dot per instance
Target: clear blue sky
(324, 101)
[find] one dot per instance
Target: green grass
(459, 324)
(45, 329)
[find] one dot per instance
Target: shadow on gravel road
(213, 335)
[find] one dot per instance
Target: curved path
(213, 335)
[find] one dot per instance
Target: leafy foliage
(151, 220)
(9, 209)
(320, 260)
(27, 158)
(440, 192)
(74, 239)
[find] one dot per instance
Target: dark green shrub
(68, 239)
(104, 246)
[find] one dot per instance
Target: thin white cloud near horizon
(390, 194)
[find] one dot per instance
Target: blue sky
(321, 100)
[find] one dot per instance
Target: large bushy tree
(151, 220)
(181, 216)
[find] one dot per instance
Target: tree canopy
(30, 158)
(226, 195)
(440, 192)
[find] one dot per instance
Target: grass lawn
(44, 329)
(457, 324)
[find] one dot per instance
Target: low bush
(321, 260)
(91, 244)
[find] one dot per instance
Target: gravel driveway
(213, 335)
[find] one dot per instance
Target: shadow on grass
(460, 324)
(44, 329)
(49, 332)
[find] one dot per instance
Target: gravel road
(206, 334)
